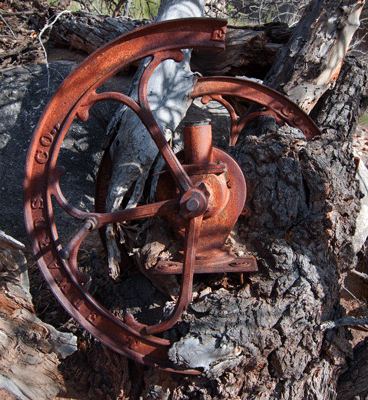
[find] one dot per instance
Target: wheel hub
(221, 183)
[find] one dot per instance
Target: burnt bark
(353, 383)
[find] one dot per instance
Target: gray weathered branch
(30, 349)
(310, 63)
(345, 321)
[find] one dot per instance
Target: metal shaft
(198, 143)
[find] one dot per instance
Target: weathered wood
(353, 383)
(86, 31)
(265, 338)
(30, 349)
(341, 106)
(311, 62)
(250, 51)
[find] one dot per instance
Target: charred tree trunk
(267, 337)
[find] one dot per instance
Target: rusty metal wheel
(203, 207)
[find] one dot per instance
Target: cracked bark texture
(311, 61)
(262, 338)
(30, 350)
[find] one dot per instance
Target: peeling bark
(30, 349)
(310, 63)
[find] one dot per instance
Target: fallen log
(250, 50)
(87, 32)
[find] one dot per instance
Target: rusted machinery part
(202, 162)
(275, 104)
(74, 99)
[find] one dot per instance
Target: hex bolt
(192, 204)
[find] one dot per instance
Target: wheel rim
(41, 184)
